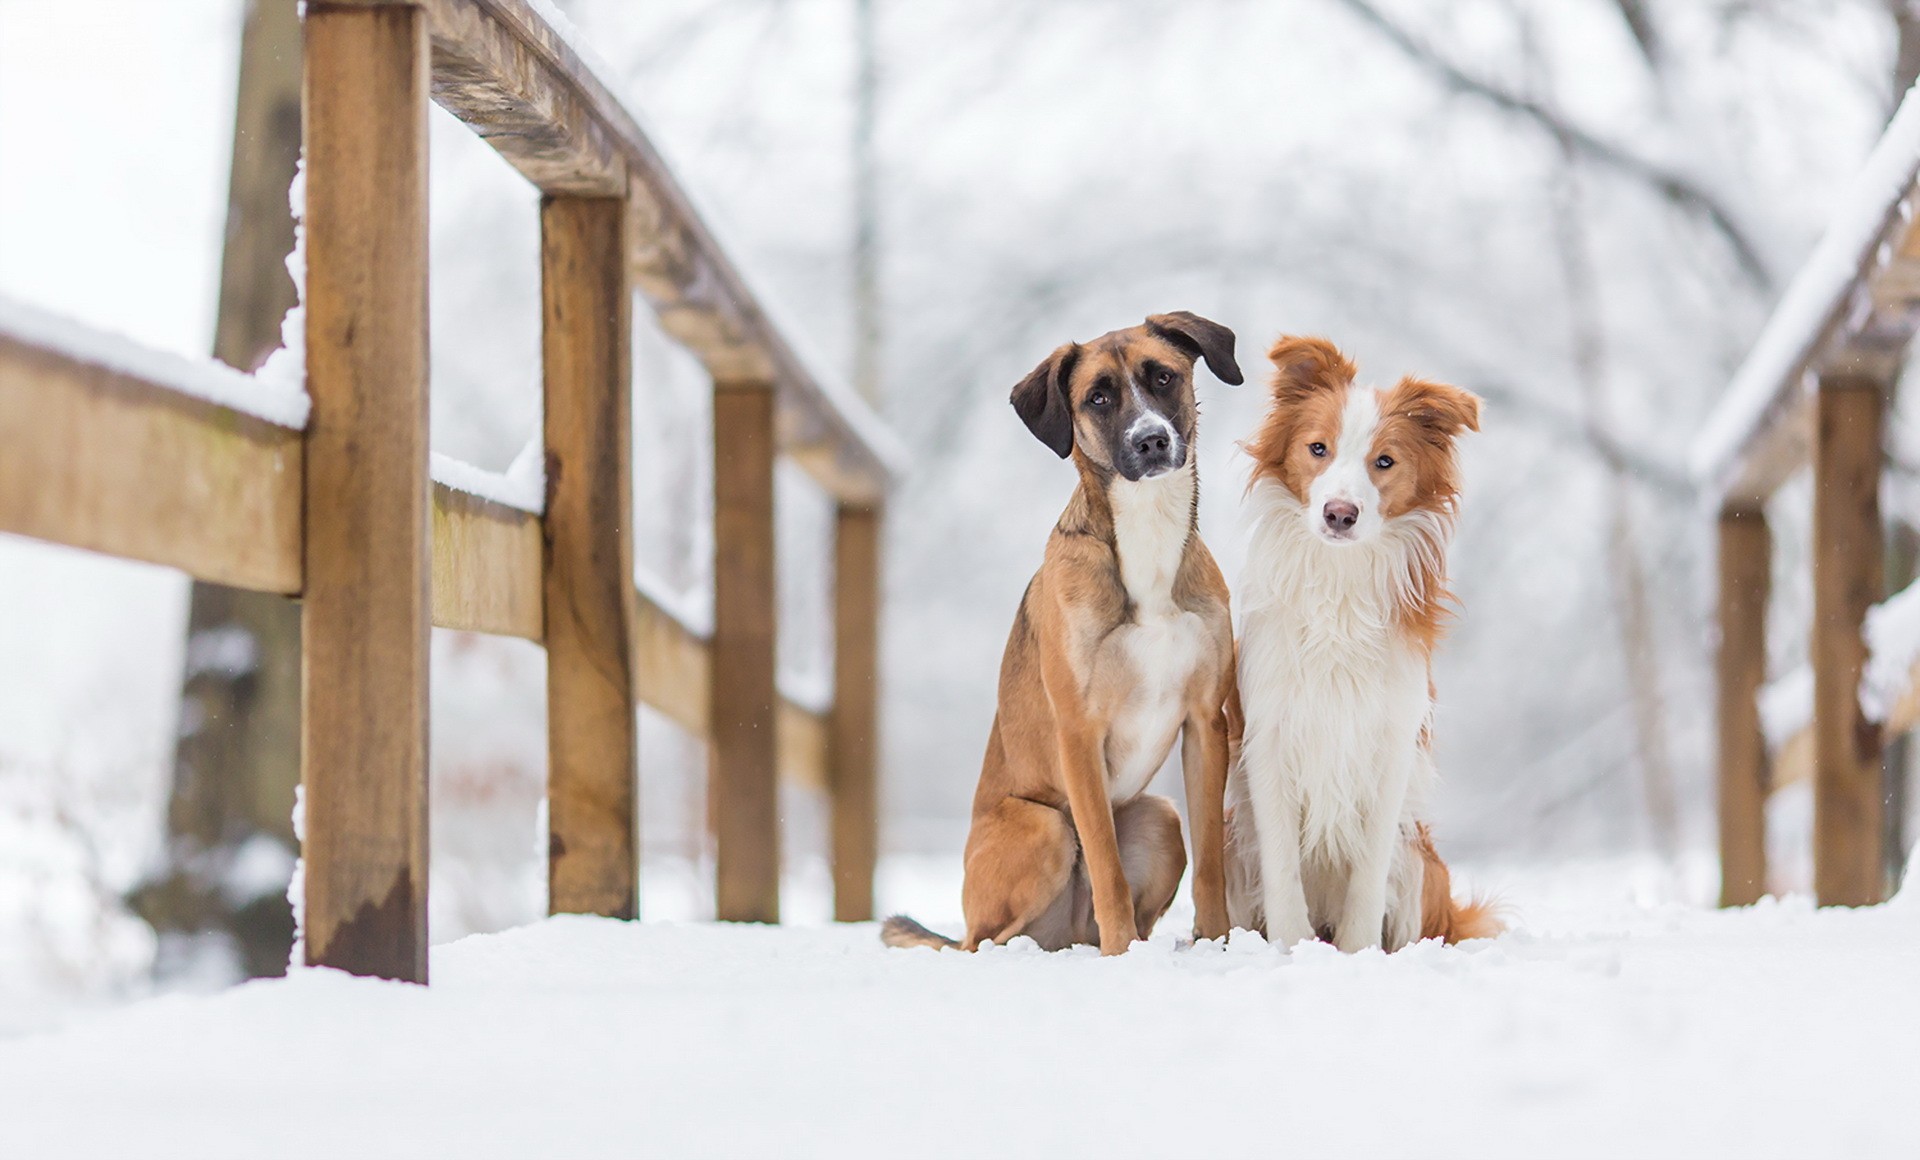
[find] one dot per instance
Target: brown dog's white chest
(1150, 664)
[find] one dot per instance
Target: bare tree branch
(1639, 21)
(1682, 191)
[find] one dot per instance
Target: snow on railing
(268, 398)
(1893, 650)
(1820, 298)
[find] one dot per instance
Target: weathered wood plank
(853, 730)
(486, 566)
(518, 83)
(97, 459)
(1848, 572)
(367, 593)
(592, 739)
(740, 709)
(1746, 553)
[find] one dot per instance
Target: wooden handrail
(1852, 308)
(520, 84)
(106, 460)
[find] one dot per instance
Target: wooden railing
(112, 448)
(1813, 391)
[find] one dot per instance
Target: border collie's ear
(1305, 365)
(1201, 337)
(1041, 400)
(1444, 410)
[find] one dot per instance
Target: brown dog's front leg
(1203, 761)
(1084, 771)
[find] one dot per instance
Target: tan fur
(1048, 854)
(1440, 916)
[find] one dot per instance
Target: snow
(1893, 645)
(1786, 706)
(1775, 366)
(274, 401)
(1892, 633)
(1606, 1026)
(523, 486)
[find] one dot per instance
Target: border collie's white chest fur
(1152, 520)
(1333, 689)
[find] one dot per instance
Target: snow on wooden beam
(1889, 689)
(1852, 307)
(93, 455)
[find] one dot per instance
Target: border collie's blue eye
(1384, 462)
(1319, 450)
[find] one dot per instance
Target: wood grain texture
(487, 566)
(95, 459)
(511, 77)
(1746, 555)
(367, 597)
(853, 730)
(592, 740)
(1848, 571)
(741, 716)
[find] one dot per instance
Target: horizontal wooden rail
(523, 87)
(104, 459)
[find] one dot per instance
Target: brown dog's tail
(901, 931)
(1442, 917)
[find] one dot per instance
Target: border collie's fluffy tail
(1442, 917)
(901, 931)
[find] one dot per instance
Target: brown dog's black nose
(1156, 444)
(1340, 515)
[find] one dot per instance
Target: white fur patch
(1347, 477)
(1152, 519)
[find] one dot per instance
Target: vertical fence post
(1746, 552)
(592, 741)
(1848, 569)
(746, 807)
(366, 610)
(853, 729)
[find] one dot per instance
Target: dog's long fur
(1343, 597)
(1122, 643)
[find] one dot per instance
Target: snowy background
(1581, 209)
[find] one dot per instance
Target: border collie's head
(1357, 458)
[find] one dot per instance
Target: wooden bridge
(1814, 393)
(112, 448)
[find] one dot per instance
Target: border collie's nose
(1340, 515)
(1154, 446)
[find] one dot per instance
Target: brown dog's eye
(1319, 450)
(1163, 378)
(1384, 462)
(1098, 399)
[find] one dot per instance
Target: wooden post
(745, 796)
(853, 740)
(1746, 552)
(366, 603)
(592, 741)
(1848, 567)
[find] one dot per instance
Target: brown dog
(1122, 643)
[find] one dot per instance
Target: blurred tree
(230, 842)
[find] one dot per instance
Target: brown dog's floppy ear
(1041, 400)
(1305, 365)
(1201, 337)
(1438, 408)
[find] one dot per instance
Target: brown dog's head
(1125, 400)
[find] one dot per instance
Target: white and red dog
(1343, 597)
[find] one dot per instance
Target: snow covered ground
(1607, 1025)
